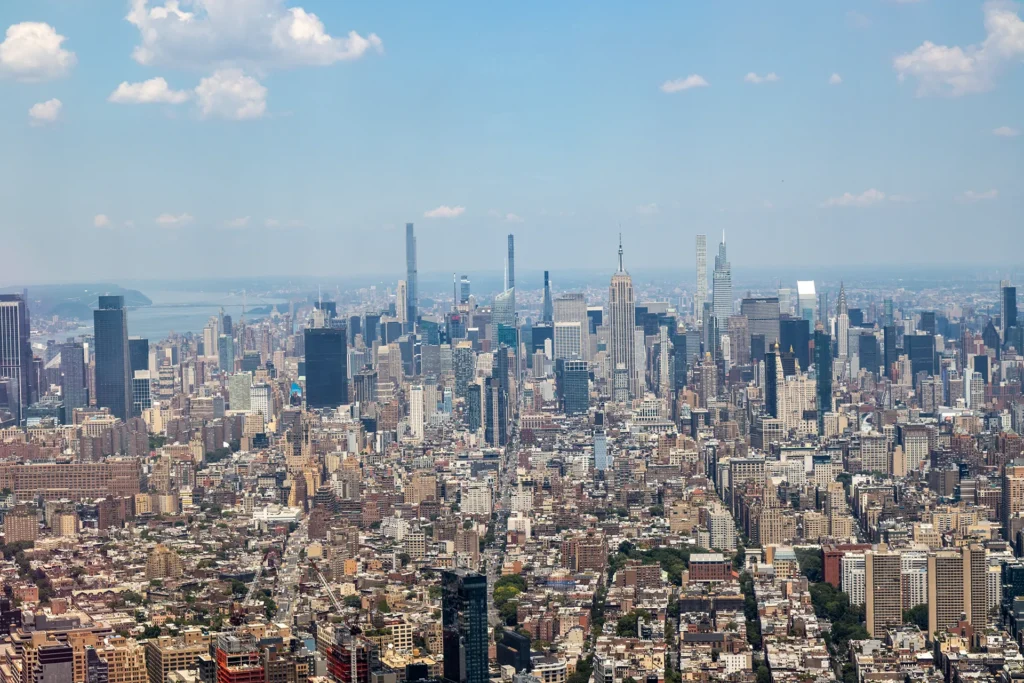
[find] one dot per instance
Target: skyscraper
(571, 309)
(575, 387)
(806, 301)
(722, 293)
(622, 326)
(701, 295)
(762, 315)
(843, 325)
(113, 365)
(402, 303)
(464, 290)
(416, 411)
(510, 271)
(823, 369)
(138, 352)
(601, 459)
(15, 352)
(226, 353)
(547, 312)
(464, 626)
(326, 367)
(1008, 312)
(496, 414)
(72, 378)
(883, 586)
(411, 278)
(957, 588)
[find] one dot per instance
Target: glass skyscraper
(113, 365)
(464, 626)
(326, 367)
(15, 352)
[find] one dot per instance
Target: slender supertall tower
(548, 314)
(702, 277)
(510, 270)
(722, 294)
(622, 327)
(411, 278)
(843, 325)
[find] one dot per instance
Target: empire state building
(622, 327)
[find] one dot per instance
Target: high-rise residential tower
(823, 370)
(16, 352)
(113, 365)
(701, 294)
(411, 278)
(622, 327)
(722, 293)
(72, 378)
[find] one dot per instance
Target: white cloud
(1006, 132)
(445, 211)
(954, 70)
(679, 84)
(866, 198)
(835, 79)
(756, 79)
(101, 220)
(236, 223)
(254, 33)
(275, 223)
(32, 52)
(230, 94)
(647, 209)
(171, 220)
(971, 196)
(153, 91)
(513, 218)
(44, 112)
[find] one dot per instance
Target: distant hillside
(76, 301)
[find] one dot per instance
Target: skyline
(884, 134)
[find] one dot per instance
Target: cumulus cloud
(31, 51)
(971, 196)
(256, 33)
(513, 218)
(953, 70)
(1006, 132)
(171, 220)
(754, 78)
(445, 211)
(680, 84)
(230, 94)
(237, 223)
(835, 79)
(101, 220)
(153, 91)
(647, 209)
(44, 112)
(869, 197)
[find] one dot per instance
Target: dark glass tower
(464, 626)
(795, 336)
(771, 381)
(113, 365)
(15, 352)
(889, 351)
(496, 426)
(473, 418)
(823, 368)
(547, 315)
(1008, 316)
(576, 387)
(868, 352)
(138, 353)
(411, 277)
(326, 367)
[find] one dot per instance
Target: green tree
(811, 564)
(917, 615)
(626, 626)
(763, 674)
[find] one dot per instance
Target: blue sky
(862, 132)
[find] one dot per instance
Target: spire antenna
(620, 252)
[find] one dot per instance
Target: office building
(795, 337)
(417, 418)
(575, 387)
(762, 314)
(547, 307)
(602, 460)
(15, 354)
(411, 279)
(402, 303)
(464, 290)
(73, 391)
(883, 584)
(823, 371)
(326, 367)
(113, 365)
(21, 524)
(142, 388)
(571, 309)
(1008, 312)
(166, 654)
(722, 292)
(568, 340)
(138, 354)
(496, 412)
(464, 626)
(240, 391)
(700, 296)
(843, 326)
(622, 328)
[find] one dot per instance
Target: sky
(230, 137)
